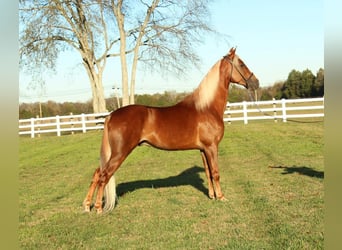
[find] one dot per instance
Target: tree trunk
(124, 72)
(136, 49)
(99, 102)
(132, 85)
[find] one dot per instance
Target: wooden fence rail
(242, 111)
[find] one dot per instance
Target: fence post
(274, 112)
(58, 126)
(32, 127)
(84, 129)
(38, 128)
(72, 124)
(229, 115)
(283, 107)
(245, 118)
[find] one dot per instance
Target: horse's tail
(105, 154)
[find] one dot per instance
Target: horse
(195, 123)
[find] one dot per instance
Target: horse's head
(240, 73)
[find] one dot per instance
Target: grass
(271, 174)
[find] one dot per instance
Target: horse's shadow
(302, 170)
(189, 176)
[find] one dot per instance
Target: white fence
(59, 124)
(275, 109)
(242, 111)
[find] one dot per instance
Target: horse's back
(128, 114)
(157, 116)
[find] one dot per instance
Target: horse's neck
(211, 94)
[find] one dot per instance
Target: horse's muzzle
(253, 83)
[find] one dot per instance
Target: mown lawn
(271, 174)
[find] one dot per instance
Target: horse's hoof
(86, 206)
(222, 198)
(211, 195)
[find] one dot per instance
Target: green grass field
(271, 174)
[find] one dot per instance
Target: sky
(272, 38)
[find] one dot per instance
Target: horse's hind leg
(89, 196)
(208, 174)
(107, 172)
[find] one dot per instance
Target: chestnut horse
(194, 123)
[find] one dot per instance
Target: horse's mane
(205, 93)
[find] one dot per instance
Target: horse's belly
(172, 139)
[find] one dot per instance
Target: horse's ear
(232, 52)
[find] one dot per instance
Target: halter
(231, 73)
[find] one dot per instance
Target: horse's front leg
(89, 196)
(211, 192)
(211, 154)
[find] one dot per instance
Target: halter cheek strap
(233, 66)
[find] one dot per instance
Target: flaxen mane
(204, 94)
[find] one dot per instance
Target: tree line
(298, 85)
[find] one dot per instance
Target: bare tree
(48, 27)
(161, 34)
(165, 34)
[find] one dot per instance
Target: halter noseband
(231, 73)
